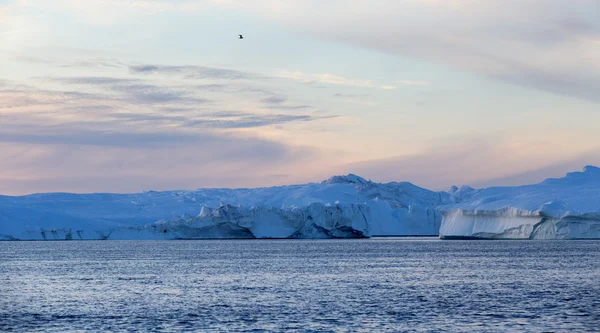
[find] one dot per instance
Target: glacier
(340, 207)
(557, 208)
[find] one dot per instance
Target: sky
(134, 95)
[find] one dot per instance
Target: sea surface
(367, 285)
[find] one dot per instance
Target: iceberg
(339, 207)
(562, 208)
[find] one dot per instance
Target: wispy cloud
(226, 114)
(95, 63)
(194, 72)
(91, 80)
(340, 95)
(68, 134)
(134, 90)
(289, 107)
(146, 93)
(359, 99)
(274, 100)
(250, 121)
(546, 45)
(210, 87)
(147, 119)
(119, 97)
(327, 78)
(131, 129)
(12, 96)
(278, 103)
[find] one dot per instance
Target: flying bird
(241, 37)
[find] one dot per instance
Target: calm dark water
(376, 285)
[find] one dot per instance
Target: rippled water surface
(374, 285)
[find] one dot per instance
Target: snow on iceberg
(340, 207)
(562, 208)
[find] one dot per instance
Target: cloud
(541, 44)
(333, 79)
(108, 141)
(41, 153)
(96, 63)
(276, 103)
(69, 134)
(250, 121)
(359, 99)
(351, 96)
(289, 107)
(145, 93)
(53, 140)
(211, 87)
(274, 100)
(221, 146)
(14, 96)
(194, 72)
(135, 91)
(581, 85)
(120, 105)
(153, 118)
(226, 114)
(92, 80)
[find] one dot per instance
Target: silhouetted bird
(241, 37)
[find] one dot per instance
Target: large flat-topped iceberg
(342, 206)
(562, 208)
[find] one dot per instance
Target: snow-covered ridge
(342, 206)
(563, 208)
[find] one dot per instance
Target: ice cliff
(563, 208)
(342, 206)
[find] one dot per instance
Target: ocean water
(374, 285)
